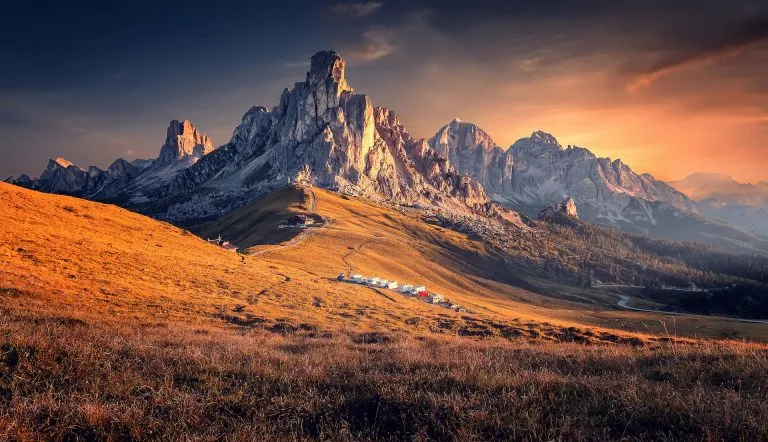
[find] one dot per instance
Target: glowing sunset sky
(669, 89)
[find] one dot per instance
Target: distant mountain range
(324, 133)
(537, 172)
(722, 197)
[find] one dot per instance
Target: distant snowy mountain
(722, 197)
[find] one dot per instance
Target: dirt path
(623, 302)
(352, 253)
(303, 235)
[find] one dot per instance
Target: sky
(671, 88)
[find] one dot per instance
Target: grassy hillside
(87, 380)
(76, 257)
(378, 240)
(114, 326)
(246, 227)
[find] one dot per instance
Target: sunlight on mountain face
(480, 240)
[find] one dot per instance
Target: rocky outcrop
(471, 151)
(61, 176)
(183, 141)
(567, 208)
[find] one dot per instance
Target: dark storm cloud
(705, 49)
(643, 40)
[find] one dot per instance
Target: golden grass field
(116, 326)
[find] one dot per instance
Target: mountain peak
(59, 162)
(538, 143)
(709, 176)
(543, 137)
(470, 150)
(327, 66)
(184, 140)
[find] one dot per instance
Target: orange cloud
(376, 44)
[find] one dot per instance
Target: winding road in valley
(623, 302)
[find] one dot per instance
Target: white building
(373, 281)
(437, 298)
(358, 279)
(392, 285)
(419, 288)
(406, 288)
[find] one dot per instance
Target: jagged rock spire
(184, 140)
(327, 67)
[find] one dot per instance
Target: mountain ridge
(324, 133)
(722, 197)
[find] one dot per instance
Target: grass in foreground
(85, 379)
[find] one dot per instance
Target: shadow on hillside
(257, 223)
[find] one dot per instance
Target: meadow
(69, 378)
(114, 326)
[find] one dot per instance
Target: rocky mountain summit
(537, 172)
(471, 151)
(183, 147)
(61, 176)
(184, 141)
(321, 132)
(606, 190)
(324, 133)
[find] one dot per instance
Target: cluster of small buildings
(223, 244)
(411, 290)
(299, 220)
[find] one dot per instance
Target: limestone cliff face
(545, 173)
(471, 151)
(182, 141)
(323, 132)
(320, 131)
